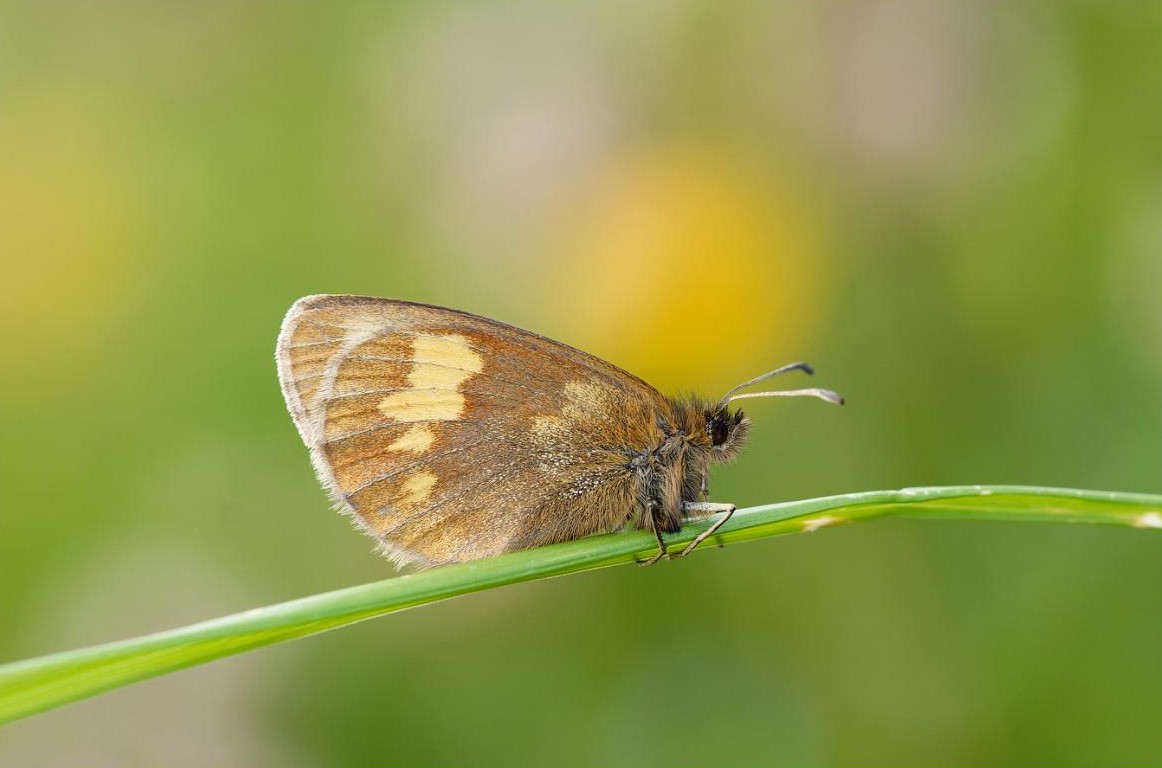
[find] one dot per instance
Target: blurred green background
(953, 210)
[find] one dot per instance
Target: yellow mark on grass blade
(815, 523)
(1148, 520)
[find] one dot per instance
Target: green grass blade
(34, 685)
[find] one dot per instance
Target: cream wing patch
(451, 351)
(582, 399)
(417, 439)
(416, 488)
(440, 366)
(422, 405)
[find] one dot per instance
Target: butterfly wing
(450, 437)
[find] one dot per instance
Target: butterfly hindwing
(451, 437)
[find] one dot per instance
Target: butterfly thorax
(692, 434)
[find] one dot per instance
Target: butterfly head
(726, 431)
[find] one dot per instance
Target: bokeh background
(954, 210)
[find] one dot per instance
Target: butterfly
(450, 437)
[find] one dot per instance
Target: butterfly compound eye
(719, 431)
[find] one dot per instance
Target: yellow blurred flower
(67, 231)
(688, 271)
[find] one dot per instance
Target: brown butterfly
(451, 437)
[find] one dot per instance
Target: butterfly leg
(661, 549)
(703, 509)
(650, 507)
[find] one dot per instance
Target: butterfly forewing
(452, 437)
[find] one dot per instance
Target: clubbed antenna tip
(822, 394)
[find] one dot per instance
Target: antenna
(822, 394)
